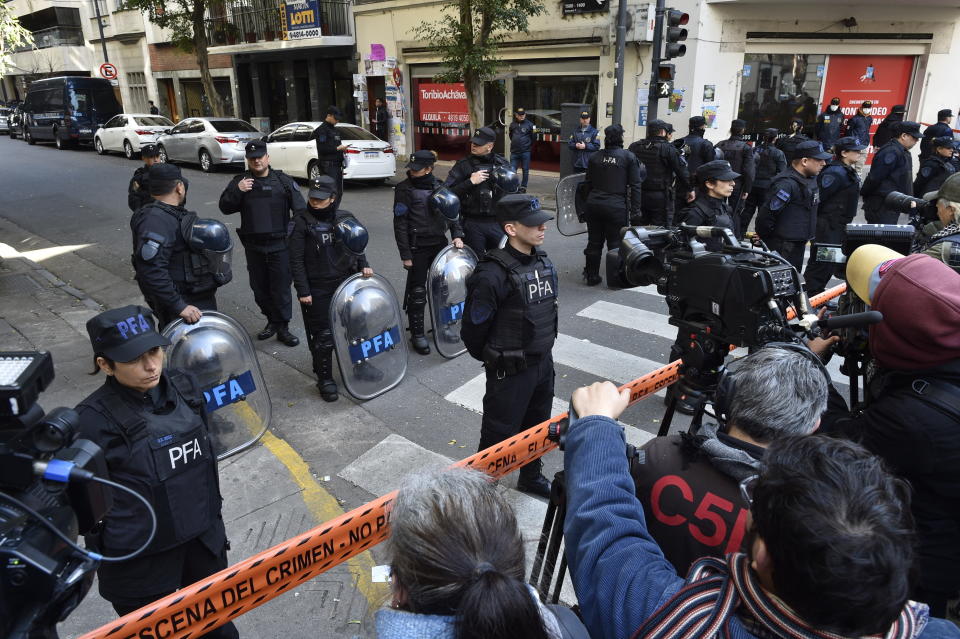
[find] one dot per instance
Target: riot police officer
(696, 149)
(795, 136)
(884, 132)
(138, 191)
(788, 218)
(939, 130)
(839, 185)
(715, 182)
(421, 233)
(510, 324)
(613, 184)
(829, 124)
(892, 170)
(265, 197)
(936, 168)
(326, 247)
(172, 254)
(584, 142)
(480, 180)
(737, 151)
(330, 148)
(151, 424)
(522, 132)
(664, 164)
(769, 162)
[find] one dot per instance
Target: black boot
(591, 272)
(532, 481)
(323, 367)
(417, 338)
(285, 336)
(268, 331)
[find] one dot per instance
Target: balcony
(55, 37)
(265, 21)
(123, 26)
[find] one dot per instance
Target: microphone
(852, 320)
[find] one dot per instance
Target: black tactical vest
(191, 270)
(766, 166)
(171, 463)
(331, 256)
(650, 152)
(842, 205)
(797, 220)
(527, 318)
(265, 209)
(481, 197)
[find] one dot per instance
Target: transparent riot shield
(368, 336)
(568, 205)
(447, 294)
(219, 353)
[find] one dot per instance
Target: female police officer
(151, 425)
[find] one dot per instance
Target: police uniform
(590, 137)
(829, 124)
(739, 154)
(613, 184)
(321, 260)
(480, 228)
(892, 170)
(710, 211)
(858, 126)
(421, 234)
(931, 133)
(264, 220)
(839, 194)
(510, 324)
(138, 191)
(788, 218)
(329, 158)
(884, 132)
(171, 274)
(157, 443)
(770, 162)
(663, 163)
(935, 168)
(522, 133)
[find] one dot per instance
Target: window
(137, 83)
(115, 122)
(283, 134)
(155, 120)
(53, 99)
(232, 126)
(355, 133)
(182, 127)
(197, 126)
(304, 133)
(779, 87)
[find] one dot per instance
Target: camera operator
(829, 547)
(152, 427)
(941, 239)
(788, 218)
(913, 402)
(767, 395)
(892, 170)
(715, 182)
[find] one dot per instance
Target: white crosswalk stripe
(629, 317)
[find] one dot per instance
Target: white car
(128, 132)
(293, 150)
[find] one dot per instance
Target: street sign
(573, 7)
(108, 71)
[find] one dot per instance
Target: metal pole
(621, 47)
(653, 100)
(103, 40)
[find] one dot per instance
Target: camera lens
(903, 203)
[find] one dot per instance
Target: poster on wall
(643, 99)
(709, 113)
(301, 19)
(709, 93)
(675, 101)
(443, 103)
(883, 79)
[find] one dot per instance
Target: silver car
(5, 119)
(208, 142)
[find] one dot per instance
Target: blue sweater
(618, 571)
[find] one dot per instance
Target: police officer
(584, 142)
(892, 170)
(421, 233)
(858, 127)
(152, 427)
(938, 130)
(839, 185)
(663, 163)
(795, 136)
(138, 191)
(265, 197)
(522, 134)
(614, 182)
(175, 278)
(884, 132)
(326, 247)
(473, 180)
(715, 182)
(937, 167)
(737, 151)
(510, 324)
(829, 124)
(770, 162)
(330, 148)
(788, 218)
(696, 149)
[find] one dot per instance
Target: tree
(467, 39)
(12, 36)
(187, 22)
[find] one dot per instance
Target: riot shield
(368, 336)
(219, 353)
(568, 205)
(447, 294)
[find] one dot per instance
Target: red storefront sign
(882, 79)
(443, 103)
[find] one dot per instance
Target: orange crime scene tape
(240, 588)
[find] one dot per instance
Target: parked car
(5, 119)
(67, 110)
(293, 150)
(207, 141)
(127, 132)
(14, 121)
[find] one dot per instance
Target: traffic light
(674, 33)
(665, 76)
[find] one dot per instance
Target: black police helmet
(445, 202)
(210, 235)
(506, 178)
(353, 234)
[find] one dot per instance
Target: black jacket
(521, 136)
(664, 164)
(858, 126)
(829, 124)
(708, 211)
(920, 442)
(884, 131)
(476, 200)
(790, 209)
(328, 139)
(138, 191)
(839, 194)
(265, 225)
(770, 162)
(933, 171)
(413, 223)
(316, 265)
(938, 130)
(614, 180)
(891, 170)
(739, 154)
(696, 150)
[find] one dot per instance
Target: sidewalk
(269, 493)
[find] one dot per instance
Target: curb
(56, 282)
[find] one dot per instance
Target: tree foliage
(467, 39)
(12, 36)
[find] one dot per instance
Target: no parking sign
(108, 71)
